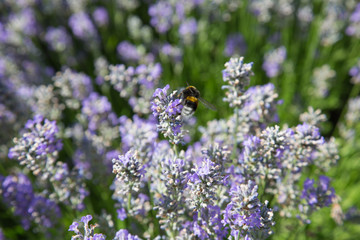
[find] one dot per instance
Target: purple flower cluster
(167, 108)
(235, 45)
(139, 135)
(129, 171)
(17, 192)
(273, 61)
(73, 87)
(128, 52)
(58, 39)
(82, 26)
(38, 147)
(237, 75)
(88, 232)
(101, 16)
(38, 150)
(261, 104)
(321, 79)
(170, 185)
(320, 196)
(135, 81)
(246, 215)
(172, 52)
(124, 234)
(161, 14)
(188, 29)
(355, 70)
(312, 117)
(353, 29)
(101, 121)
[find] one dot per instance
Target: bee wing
(207, 104)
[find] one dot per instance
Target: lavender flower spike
(318, 197)
(167, 108)
(129, 171)
(245, 215)
(273, 61)
(237, 75)
(88, 233)
(38, 147)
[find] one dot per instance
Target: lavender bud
(82, 26)
(123, 234)
(320, 196)
(355, 70)
(38, 147)
(273, 61)
(88, 232)
(245, 215)
(235, 45)
(167, 108)
(237, 75)
(322, 78)
(129, 171)
(313, 117)
(161, 14)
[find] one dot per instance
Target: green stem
(128, 211)
(129, 202)
(233, 155)
(176, 150)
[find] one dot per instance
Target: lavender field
(179, 119)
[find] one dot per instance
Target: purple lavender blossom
(2, 237)
(173, 108)
(102, 121)
(138, 134)
(123, 234)
(250, 158)
(273, 61)
(38, 146)
(17, 192)
(98, 109)
(188, 29)
(203, 183)
(355, 70)
(73, 86)
(168, 114)
(161, 14)
(235, 44)
(121, 214)
(261, 103)
(82, 26)
(245, 215)
(210, 224)
(24, 22)
(320, 196)
(3, 33)
(135, 83)
(147, 75)
(169, 186)
(237, 75)
(43, 211)
(57, 38)
(307, 141)
(129, 171)
(101, 16)
(174, 53)
(354, 26)
(128, 51)
(88, 232)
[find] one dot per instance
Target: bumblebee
(190, 97)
